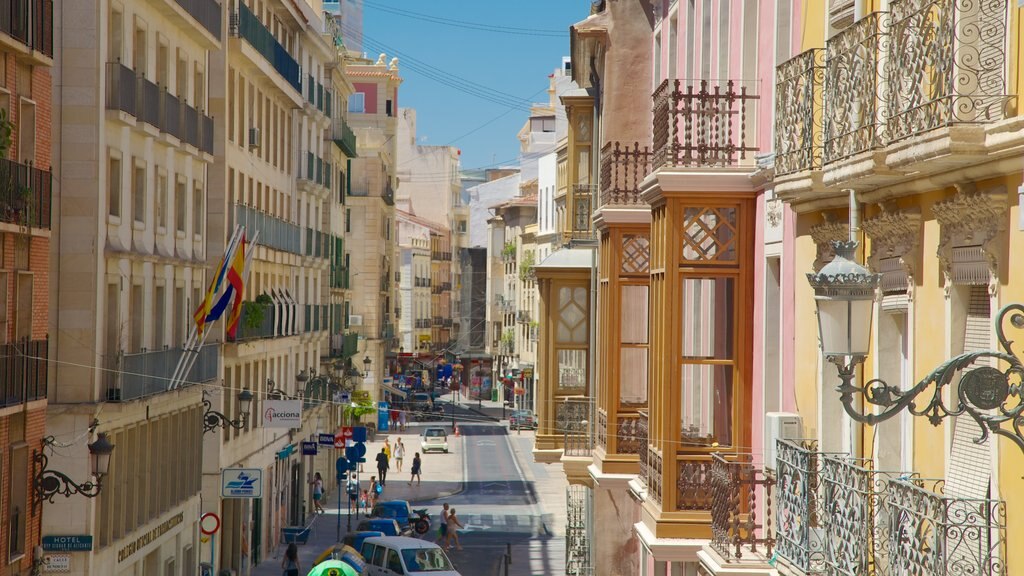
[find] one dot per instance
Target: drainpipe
(855, 430)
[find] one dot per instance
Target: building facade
(26, 201)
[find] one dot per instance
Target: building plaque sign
(67, 543)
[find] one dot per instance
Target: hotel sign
(67, 543)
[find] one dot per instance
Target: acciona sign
(282, 413)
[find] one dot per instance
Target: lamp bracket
(992, 397)
(213, 419)
(48, 483)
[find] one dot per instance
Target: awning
(392, 390)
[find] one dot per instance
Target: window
(342, 187)
(19, 501)
(708, 362)
(139, 191)
(348, 220)
(387, 107)
(114, 186)
(657, 59)
(394, 562)
(633, 345)
(163, 64)
(161, 200)
(23, 317)
(181, 74)
(179, 205)
(115, 42)
(199, 89)
(357, 103)
(198, 207)
(159, 326)
(27, 132)
(137, 314)
(673, 45)
(139, 49)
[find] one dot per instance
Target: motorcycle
(422, 522)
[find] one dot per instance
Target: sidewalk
(442, 477)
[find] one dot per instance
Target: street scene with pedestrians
(546, 287)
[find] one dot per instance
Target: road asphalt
(504, 500)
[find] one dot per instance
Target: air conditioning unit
(779, 426)
(254, 138)
(355, 320)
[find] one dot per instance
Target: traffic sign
(209, 523)
(356, 452)
(359, 434)
(326, 439)
(341, 465)
(343, 436)
(346, 398)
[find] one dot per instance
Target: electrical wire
(479, 26)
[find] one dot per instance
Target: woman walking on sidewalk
(290, 562)
(415, 469)
(399, 452)
(318, 492)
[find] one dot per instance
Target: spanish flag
(206, 307)
(236, 276)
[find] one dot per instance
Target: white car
(434, 439)
(396, 555)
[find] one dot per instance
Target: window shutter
(969, 465)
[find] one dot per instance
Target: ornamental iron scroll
(990, 396)
(739, 525)
(800, 513)
(693, 485)
(631, 435)
(856, 530)
(798, 102)
(935, 534)
(946, 65)
(853, 88)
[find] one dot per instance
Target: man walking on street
(383, 466)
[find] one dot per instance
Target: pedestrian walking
(376, 489)
(364, 500)
(453, 527)
(383, 466)
(415, 469)
(399, 454)
(442, 530)
(318, 492)
(290, 562)
(394, 418)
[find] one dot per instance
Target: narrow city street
(504, 500)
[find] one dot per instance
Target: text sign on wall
(241, 483)
(67, 543)
(282, 414)
(57, 563)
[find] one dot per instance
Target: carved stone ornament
(773, 212)
(824, 234)
(972, 218)
(895, 233)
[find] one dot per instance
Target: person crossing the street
(383, 465)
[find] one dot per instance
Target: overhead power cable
(479, 26)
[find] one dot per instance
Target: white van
(399, 555)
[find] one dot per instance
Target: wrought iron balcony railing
(798, 110)
(343, 137)
(630, 433)
(702, 125)
(146, 373)
(23, 371)
(29, 22)
(582, 229)
(739, 525)
(25, 194)
(643, 428)
(854, 71)
(245, 24)
(800, 514)
(946, 66)
(694, 490)
(578, 531)
(623, 168)
(573, 418)
(275, 233)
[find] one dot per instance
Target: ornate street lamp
(275, 393)
(366, 366)
(212, 419)
(48, 483)
(844, 294)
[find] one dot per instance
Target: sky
(510, 69)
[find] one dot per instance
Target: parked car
(393, 556)
(434, 439)
(397, 510)
(386, 526)
(522, 419)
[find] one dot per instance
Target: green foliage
(254, 312)
(526, 265)
(509, 251)
(353, 412)
(6, 130)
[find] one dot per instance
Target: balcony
(387, 331)
(146, 373)
(343, 137)
(853, 88)
(704, 125)
(30, 22)
(137, 96)
(622, 170)
(523, 316)
(339, 277)
(25, 195)
(315, 318)
(274, 232)
(245, 24)
(798, 110)
(318, 244)
(264, 324)
(739, 527)
(836, 515)
(582, 231)
(314, 170)
(206, 12)
(344, 345)
(23, 371)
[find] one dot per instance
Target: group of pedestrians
(448, 531)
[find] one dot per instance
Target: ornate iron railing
(642, 423)
(798, 111)
(577, 530)
(693, 484)
(799, 512)
(26, 194)
(946, 65)
(706, 126)
(937, 535)
(573, 418)
(582, 211)
(854, 86)
(654, 471)
(630, 434)
(623, 168)
(738, 525)
(857, 531)
(601, 429)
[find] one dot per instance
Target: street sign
(326, 439)
(359, 433)
(343, 436)
(67, 543)
(309, 448)
(57, 563)
(209, 523)
(241, 483)
(341, 465)
(356, 452)
(346, 398)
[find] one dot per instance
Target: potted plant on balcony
(526, 266)
(253, 313)
(508, 252)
